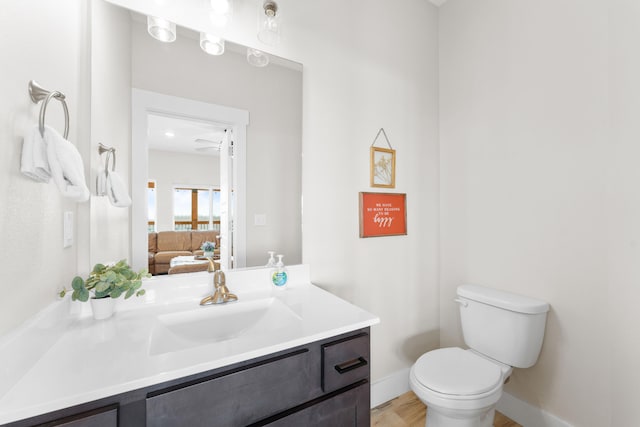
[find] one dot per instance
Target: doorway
(221, 129)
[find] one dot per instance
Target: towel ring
(109, 150)
(38, 94)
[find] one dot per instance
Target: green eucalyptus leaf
(102, 286)
(83, 295)
(112, 280)
(141, 292)
(77, 283)
(109, 276)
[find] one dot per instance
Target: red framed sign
(383, 214)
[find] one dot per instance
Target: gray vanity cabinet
(106, 417)
(346, 409)
(324, 383)
(238, 398)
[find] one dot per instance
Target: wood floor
(408, 411)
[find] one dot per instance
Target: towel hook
(110, 151)
(37, 94)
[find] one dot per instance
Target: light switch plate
(260, 219)
(68, 229)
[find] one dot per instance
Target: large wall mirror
(214, 142)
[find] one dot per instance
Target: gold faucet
(221, 293)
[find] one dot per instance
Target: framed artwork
(383, 214)
(383, 167)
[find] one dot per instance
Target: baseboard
(526, 414)
(389, 387)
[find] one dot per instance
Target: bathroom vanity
(294, 357)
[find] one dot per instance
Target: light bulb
(161, 29)
(220, 7)
(221, 12)
(211, 44)
(257, 58)
(269, 18)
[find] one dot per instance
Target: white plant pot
(208, 254)
(102, 307)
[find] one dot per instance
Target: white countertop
(63, 357)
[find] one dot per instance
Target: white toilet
(461, 387)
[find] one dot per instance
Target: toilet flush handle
(461, 302)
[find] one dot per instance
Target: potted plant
(208, 248)
(105, 284)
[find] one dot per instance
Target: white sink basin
(217, 323)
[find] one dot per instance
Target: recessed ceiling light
(169, 134)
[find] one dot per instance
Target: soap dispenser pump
(279, 274)
(272, 261)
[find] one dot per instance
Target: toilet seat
(457, 373)
(476, 380)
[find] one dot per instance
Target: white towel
(67, 169)
(34, 162)
(101, 183)
(117, 190)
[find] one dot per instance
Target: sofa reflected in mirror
(167, 245)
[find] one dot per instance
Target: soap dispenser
(272, 260)
(279, 274)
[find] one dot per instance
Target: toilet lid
(457, 372)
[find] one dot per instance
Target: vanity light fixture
(269, 23)
(211, 44)
(161, 29)
(257, 58)
(221, 12)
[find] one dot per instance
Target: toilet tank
(504, 326)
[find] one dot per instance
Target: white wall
(623, 202)
(170, 169)
(273, 97)
(109, 228)
(533, 181)
(372, 66)
(32, 261)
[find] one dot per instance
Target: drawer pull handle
(351, 365)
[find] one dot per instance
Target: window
(196, 209)
(151, 206)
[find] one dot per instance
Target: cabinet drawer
(107, 417)
(345, 409)
(238, 398)
(345, 362)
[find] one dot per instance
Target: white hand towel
(34, 162)
(117, 190)
(101, 183)
(66, 166)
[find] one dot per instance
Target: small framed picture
(383, 214)
(383, 167)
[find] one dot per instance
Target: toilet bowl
(461, 387)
